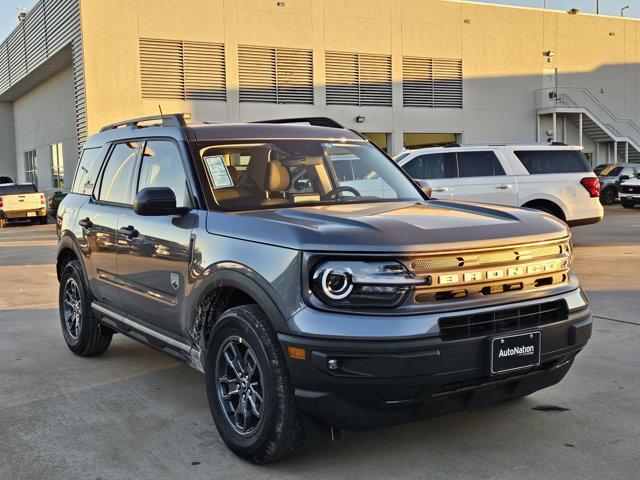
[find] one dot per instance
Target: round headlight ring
(336, 285)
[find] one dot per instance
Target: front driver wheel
(627, 203)
(82, 332)
(248, 389)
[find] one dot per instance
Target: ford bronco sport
(309, 306)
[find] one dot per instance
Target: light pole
(626, 7)
(597, 7)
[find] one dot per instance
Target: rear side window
(553, 161)
(479, 164)
(432, 166)
(17, 189)
(87, 172)
(117, 178)
(162, 167)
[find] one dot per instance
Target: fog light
(333, 364)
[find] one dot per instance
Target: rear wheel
(82, 332)
(608, 196)
(248, 389)
(626, 203)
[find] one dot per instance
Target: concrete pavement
(134, 413)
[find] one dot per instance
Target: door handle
(85, 223)
(441, 189)
(128, 232)
(503, 186)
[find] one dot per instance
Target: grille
(431, 82)
(502, 321)
(182, 70)
(631, 189)
(275, 75)
(485, 258)
(358, 79)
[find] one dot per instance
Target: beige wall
(46, 115)
(501, 47)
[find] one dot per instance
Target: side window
(161, 167)
(432, 166)
(118, 174)
(87, 172)
(479, 164)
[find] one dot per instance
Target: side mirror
(424, 186)
(157, 201)
(624, 177)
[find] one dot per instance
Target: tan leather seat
(277, 181)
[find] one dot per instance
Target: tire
(608, 196)
(244, 333)
(627, 203)
(43, 220)
(84, 335)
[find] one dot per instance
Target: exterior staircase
(599, 123)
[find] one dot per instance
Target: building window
(431, 82)
(182, 70)
(31, 167)
(275, 75)
(358, 79)
(57, 166)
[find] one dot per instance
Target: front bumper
(634, 197)
(382, 383)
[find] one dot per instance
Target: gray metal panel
(48, 27)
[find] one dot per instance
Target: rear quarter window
(87, 172)
(553, 161)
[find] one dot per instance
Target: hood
(389, 227)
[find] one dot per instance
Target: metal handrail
(556, 96)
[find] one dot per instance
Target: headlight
(361, 284)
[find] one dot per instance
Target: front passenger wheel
(248, 389)
(82, 332)
(627, 203)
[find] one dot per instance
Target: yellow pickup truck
(20, 201)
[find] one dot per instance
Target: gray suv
(310, 304)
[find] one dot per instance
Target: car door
(154, 251)
(482, 178)
(436, 169)
(98, 219)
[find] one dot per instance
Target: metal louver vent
(182, 70)
(358, 79)
(275, 75)
(431, 82)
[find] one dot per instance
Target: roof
(253, 131)
(178, 129)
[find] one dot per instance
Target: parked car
(611, 177)
(54, 201)
(20, 201)
(308, 305)
(552, 178)
(630, 192)
(5, 180)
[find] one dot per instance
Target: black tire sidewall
(608, 197)
(88, 325)
(275, 384)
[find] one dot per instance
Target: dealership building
(408, 73)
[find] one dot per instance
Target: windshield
(611, 172)
(284, 173)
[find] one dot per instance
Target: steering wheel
(334, 193)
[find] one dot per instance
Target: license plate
(31, 214)
(514, 352)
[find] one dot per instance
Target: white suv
(553, 178)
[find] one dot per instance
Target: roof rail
(451, 145)
(169, 120)
(560, 144)
(315, 121)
